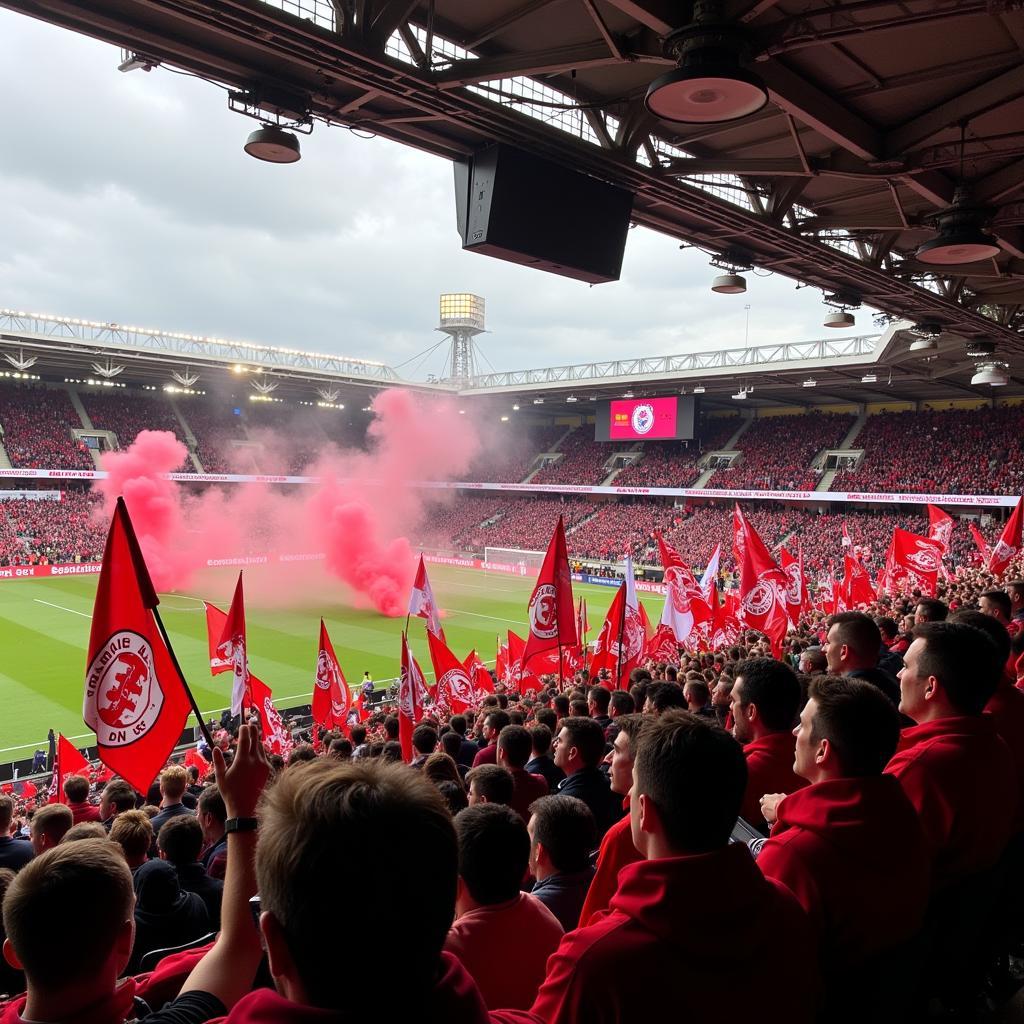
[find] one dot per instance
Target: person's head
(562, 835)
(341, 749)
(541, 740)
(489, 784)
(494, 851)
(547, 716)
(990, 626)
(6, 815)
(950, 669)
(560, 703)
(117, 796)
(211, 813)
(888, 628)
(598, 700)
(49, 824)
(813, 661)
(848, 729)
(696, 693)
(173, 782)
(44, 909)
(764, 699)
(930, 609)
(451, 743)
(494, 722)
(440, 767)
(579, 744)
(1015, 588)
(458, 724)
(424, 740)
(853, 642)
(180, 839)
(620, 772)
(663, 697)
(133, 832)
(358, 734)
(578, 707)
(514, 746)
(621, 703)
(672, 819)
(391, 752)
(85, 830)
(331, 819)
(391, 727)
(454, 794)
(997, 604)
(76, 789)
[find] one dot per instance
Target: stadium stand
(35, 532)
(37, 424)
(582, 462)
(127, 416)
(674, 463)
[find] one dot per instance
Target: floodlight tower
(462, 319)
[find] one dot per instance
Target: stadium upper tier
(956, 451)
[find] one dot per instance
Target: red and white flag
(453, 685)
(232, 648)
(135, 698)
(663, 646)
(276, 737)
(707, 580)
(762, 585)
(215, 620)
(519, 676)
(69, 761)
(912, 563)
(983, 549)
(1009, 544)
(501, 659)
(847, 542)
(582, 622)
(621, 642)
(482, 681)
(940, 526)
(827, 591)
(796, 586)
(332, 698)
(422, 603)
(857, 588)
(725, 627)
(551, 613)
(411, 691)
(686, 608)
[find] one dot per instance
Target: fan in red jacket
(849, 845)
(763, 704)
(958, 773)
(695, 931)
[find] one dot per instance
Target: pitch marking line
(39, 600)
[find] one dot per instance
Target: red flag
(762, 585)
(796, 586)
(686, 607)
(135, 699)
(361, 709)
(856, 583)
(913, 562)
(827, 591)
(232, 648)
(194, 759)
(276, 737)
(846, 537)
(453, 687)
(663, 646)
(519, 676)
(940, 526)
(551, 612)
(482, 681)
(983, 549)
(69, 761)
(422, 603)
(411, 691)
(332, 699)
(725, 628)
(621, 642)
(215, 620)
(1009, 543)
(501, 659)
(547, 663)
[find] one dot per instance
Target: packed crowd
(517, 526)
(36, 425)
(836, 835)
(127, 417)
(674, 463)
(583, 460)
(975, 451)
(41, 532)
(778, 450)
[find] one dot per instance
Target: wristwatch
(241, 825)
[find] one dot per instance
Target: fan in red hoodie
(849, 845)
(695, 932)
(763, 704)
(958, 773)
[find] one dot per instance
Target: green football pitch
(44, 636)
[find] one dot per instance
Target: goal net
(527, 563)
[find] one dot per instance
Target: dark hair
(560, 702)
(699, 689)
(1001, 599)
(120, 794)
(860, 723)
(451, 743)
(664, 695)
(963, 659)
(547, 716)
(358, 734)
(76, 789)
(424, 739)
(332, 819)
(934, 610)
(496, 719)
(639, 694)
(458, 723)
(391, 751)
(622, 703)
(631, 725)
(578, 707)
(565, 827)
(211, 802)
(494, 852)
(677, 746)
(773, 687)
(990, 626)
(454, 796)
(341, 748)
(181, 839)
(391, 727)
(858, 632)
(494, 783)
(516, 742)
(587, 737)
(887, 625)
(302, 753)
(540, 739)
(1015, 586)
(601, 698)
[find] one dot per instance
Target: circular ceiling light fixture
(839, 318)
(994, 374)
(729, 284)
(923, 344)
(273, 145)
(710, 83)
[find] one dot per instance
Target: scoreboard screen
(645, 419)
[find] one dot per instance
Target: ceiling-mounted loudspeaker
(729, 284)
(274, 145)
(993, 374)
(839, 318)
(710, 84)
(960, 237)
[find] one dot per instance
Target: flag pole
(622, 630)
(181, 676)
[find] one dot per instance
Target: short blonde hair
(133, 832)
(173, 780)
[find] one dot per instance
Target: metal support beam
(542, 62)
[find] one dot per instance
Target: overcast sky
(127, 198)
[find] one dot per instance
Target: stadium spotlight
(960, 237)
(839, 318)
(710, 83)
(869, 378)
(538, 401)
(699, 389)
(504, 419)
(571, 398)
(809, 383)
(462, 412)
(627, 394)
(993, 374)
(274, 145)
(729, 284)
(740, 395)
(515, 408)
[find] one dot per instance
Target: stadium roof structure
(877, 111)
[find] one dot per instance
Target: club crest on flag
(926, 558)
(125, 689)
(1003, 552)
(675, 584)
(455, 684)
(760, 599)
(544, 612)
(793, 588)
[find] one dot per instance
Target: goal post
(526, 562)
